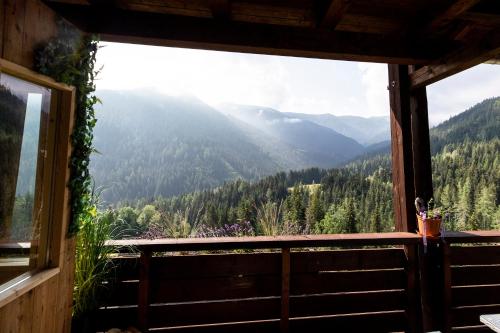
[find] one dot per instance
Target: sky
(284, 83)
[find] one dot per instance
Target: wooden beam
(268, 242)
(474, 54)
(334, 13)
(401, 146)
(221, 9)
(205, 33)
(494, 61)
(450, 13)
(421, 147)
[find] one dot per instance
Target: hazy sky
(284, 83)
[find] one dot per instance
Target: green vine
(70, 58)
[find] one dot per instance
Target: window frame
(55, 214)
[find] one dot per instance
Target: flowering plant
(243, 228)
(429, 219)
(427, 211)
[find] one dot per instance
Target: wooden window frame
(56, 211)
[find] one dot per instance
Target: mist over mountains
(151, 144)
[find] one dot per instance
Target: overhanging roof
(444, 36)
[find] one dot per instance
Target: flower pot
(432, 226)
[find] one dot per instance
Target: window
(24, 150)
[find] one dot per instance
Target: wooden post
(422, 167)
(446, 288)
(432, 281)
(285, 290)
(414, 311)
(401, 147)
(143, 297)
(412, 177)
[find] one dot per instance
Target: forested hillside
(355, 198)
(154, 145)
(151, 145)
(367, 131)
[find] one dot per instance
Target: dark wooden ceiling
(417, 32)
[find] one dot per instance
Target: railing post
(143, 296)
(446, 287)
(285, 290)
(432, 281)
(413, 289)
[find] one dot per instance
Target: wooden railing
(471, 266)
(353, 283)
(369, 282)
(271, 284)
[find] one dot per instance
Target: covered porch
(386, 282)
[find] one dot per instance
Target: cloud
(374, 79)
(292, 120)
(458, 93)
(284, 83)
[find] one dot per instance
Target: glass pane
(24, 111)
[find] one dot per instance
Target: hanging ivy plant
(70, 58)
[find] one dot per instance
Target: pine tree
(314, 212)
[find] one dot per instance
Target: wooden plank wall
(25, 24)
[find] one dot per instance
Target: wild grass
(93, 264)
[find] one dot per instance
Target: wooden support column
(412, 177)
(422, 167)
(285, 290)
(401, 146)
(411, 156)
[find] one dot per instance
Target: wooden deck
(350, 282)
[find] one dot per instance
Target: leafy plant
(70, 58)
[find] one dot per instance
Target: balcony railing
(353, 283)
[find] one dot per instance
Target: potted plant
(429, 218)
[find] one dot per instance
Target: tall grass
(272, 223)
(93, 264)
(269, 219)
(178, 225)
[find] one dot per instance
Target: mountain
(323, 146)
(465, 178)
(480, 122)
(153, 145)
(366, 131)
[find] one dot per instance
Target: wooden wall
(25, 24)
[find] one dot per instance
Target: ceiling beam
(478, 52)
(333, 14)
(205, 33)
(221, 9)
(494, 61)
(450, 13)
